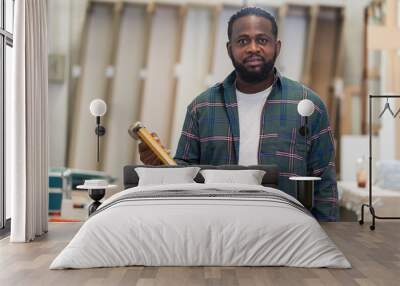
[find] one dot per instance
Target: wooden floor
(375, 257)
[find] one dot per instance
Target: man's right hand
(147, 156)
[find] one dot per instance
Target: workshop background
(148, 60)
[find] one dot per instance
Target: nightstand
(96, 190)
(305, 190)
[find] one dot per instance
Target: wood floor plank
(146, 282)
(313, 282)
(212, 272)
(132, 276)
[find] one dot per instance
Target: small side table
(96, 190)
(96, 195)
(305, 190)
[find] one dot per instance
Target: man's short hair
(256, 11)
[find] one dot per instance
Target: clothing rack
(369, 205)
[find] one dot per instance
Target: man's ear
(278, 47)
(229, 48)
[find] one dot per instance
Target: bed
(201, 224)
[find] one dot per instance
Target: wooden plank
(383, 38)
(158, 88)
(124, 104)
(314, 10)
(193, 69)
(212, 42)
(150, 9)
(396, 88)
(364, 83)
(183, 10)
(75, 88)
(346, 122)
(293, 34)
(93, 65)
(338, 85)
(282, 13)
(323, 60)
(339, 68)
(391, 13)
(337, 77)
(280, 21)
(108, 92)
(222, 64)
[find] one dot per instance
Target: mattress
(201, 225)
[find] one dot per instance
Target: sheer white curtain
(26, 117)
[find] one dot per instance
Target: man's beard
(254, 76)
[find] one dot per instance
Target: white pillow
(165, 176)
(248, 177)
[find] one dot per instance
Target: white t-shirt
(250, 106)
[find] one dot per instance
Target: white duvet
(200, 231)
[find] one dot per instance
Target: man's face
(253, 48)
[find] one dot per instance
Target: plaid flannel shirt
(210, 136)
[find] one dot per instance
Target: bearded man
(251, 117)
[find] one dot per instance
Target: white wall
(354, 147)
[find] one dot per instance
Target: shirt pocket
(292, 151)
